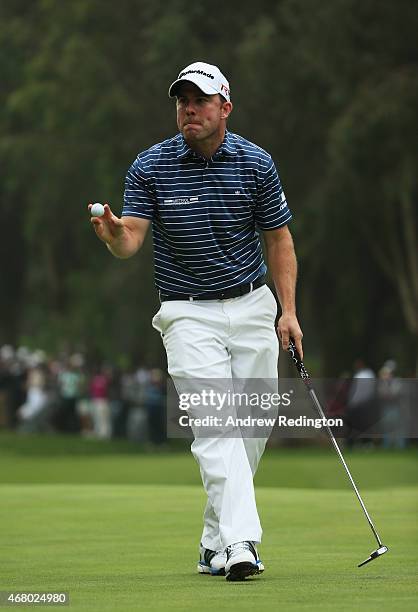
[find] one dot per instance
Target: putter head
(376, 553)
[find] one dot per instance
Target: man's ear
(226, 110)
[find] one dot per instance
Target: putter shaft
(305, 377)
(340, 455)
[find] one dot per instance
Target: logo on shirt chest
(181, 201)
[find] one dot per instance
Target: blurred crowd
(378, 408)
(65, 394)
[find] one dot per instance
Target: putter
(305, 377)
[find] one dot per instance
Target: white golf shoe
(211, 562)
(242, 561)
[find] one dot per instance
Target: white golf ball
(97, 210)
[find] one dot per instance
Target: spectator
(14, 372)
(153, 399)
(362, 407)
(70, 383)
(99, 397)
(391, 400)
(118, 407)
(34, 413)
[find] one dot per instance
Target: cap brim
(207, 89)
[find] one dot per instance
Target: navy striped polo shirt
(205, 213)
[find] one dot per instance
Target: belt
(226, 294)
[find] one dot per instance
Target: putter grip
(294, 353)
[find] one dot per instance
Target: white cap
(207, 77)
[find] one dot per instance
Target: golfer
(209, 194)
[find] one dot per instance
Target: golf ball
(97, 210)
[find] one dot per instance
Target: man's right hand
(123, 237)
(108, 227)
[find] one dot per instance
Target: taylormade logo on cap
(207, 77)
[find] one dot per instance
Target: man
(206, 192)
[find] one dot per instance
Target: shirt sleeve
(271, 210)
(139, 197)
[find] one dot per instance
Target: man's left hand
(288, 327)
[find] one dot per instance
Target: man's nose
(190, 108)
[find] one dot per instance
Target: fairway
(133, 546)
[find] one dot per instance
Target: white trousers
(224, 339)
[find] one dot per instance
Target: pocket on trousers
(162, 319)
(157, 321)
(272, 299)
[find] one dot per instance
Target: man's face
(200, 116)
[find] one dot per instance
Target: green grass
(69, 459)
(98, 520)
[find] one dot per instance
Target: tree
(374, 152)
